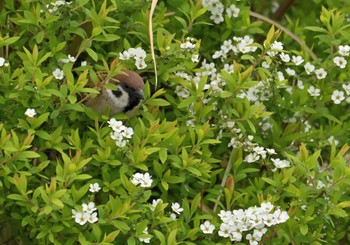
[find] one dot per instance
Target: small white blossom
(2, 61)
(195, 58)
(297, 60)
(89, 208)
(337, 96)
(265, 64)
(309, 68)
(83, 63)
(290, 72)
(320, 73)
(346, 87)
(207, 227)
(176, 208)
(92, 218)
(94, 187)
(280, 163)
(30, 112)
(232, 11)
(285, 57)
(116, 126)
(81, 217)
(313, 91)
(58, 74)
(340, 62)
(344, 50)
(155, 203)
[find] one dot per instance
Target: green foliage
(228, 127)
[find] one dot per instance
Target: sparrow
(126, 99)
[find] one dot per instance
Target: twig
(285, 30)
(150, 30)
(224, 179)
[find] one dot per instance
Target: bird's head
(125, 99)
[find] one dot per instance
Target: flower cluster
(235, 222)
(87, 214)
(120, 134)
(54, 6)
(236, 45)
(216, 8)
(144, 180)
(138, 54)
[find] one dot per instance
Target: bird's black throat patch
(134, 97)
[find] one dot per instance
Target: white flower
(265, 64)
(94, 187)
(266, 206)
(128, 132)
(252, 157)
(187, 45)
(83, 63)
(125, 55)
(320, 73)
(232, 11)
(140, 63)
(92, 218)
(207, 227)
(146, 180)
(89, 208)
(2, 61)
(309, 68)
(340, 62)
(30, 112)
(81, 217)
(145, 240)
(71, 58)
(58, 74)
(337, 96)
(155, 203)
(137, 178)
(280, 163)
(285, 57)
(290, 72)
(195, 58)
(176, 208)
(344, 50)
(224, 230)
(300, 84)
(280, 76)
(346, 87)
(313, 91)
(275, 46)
(271, 151)
(332, 140)
(297, 60)
(117, 126)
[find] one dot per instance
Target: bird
(125, 99)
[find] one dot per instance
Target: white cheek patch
(117, 104)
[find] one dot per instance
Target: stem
(224, 179)
(285, 30)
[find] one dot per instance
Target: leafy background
(48, 162)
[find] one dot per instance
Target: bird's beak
(140, 95)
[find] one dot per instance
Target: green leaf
(172, 237)
(92, 54)
(304, 229)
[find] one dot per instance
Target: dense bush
(242, 136)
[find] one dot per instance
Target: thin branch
(224, 179)
(285, 30)
(150, 30)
